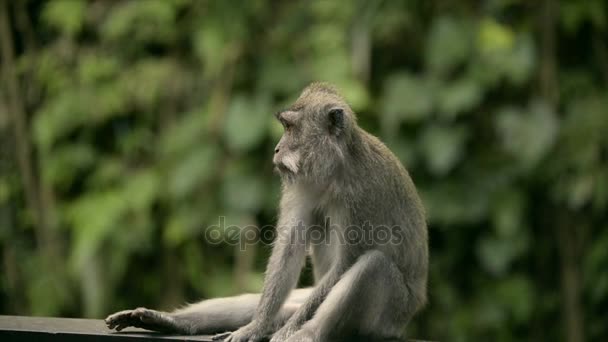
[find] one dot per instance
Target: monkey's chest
(323, 254)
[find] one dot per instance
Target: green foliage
(67, 16)
(527, 137)
(449, 44)
(246, 122)
(141, 22)
(150, 120)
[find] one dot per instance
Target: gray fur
(335, 177)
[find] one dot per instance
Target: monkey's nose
(276, 150)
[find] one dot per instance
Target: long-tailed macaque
(369, 254)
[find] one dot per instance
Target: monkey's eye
(286, 125)
(286, 118)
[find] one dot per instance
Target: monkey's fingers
(121, 326)
(119, 320)
(222, 336)
(152, 320)
(147, 316)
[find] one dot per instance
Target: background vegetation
(127, 127)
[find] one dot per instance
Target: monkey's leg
(370, 300)
(206, 317)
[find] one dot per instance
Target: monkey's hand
(252, 332)
(141, 318)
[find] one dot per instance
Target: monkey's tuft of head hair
(322, 87)
(317, 96)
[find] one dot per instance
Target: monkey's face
(314, 142)
(287, 154)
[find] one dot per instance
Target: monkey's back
(386, 198)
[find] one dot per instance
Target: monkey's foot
(141, 318)
(303, 335)
(249, 333)
(285, 333)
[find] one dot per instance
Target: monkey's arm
(282, 273)
(308, 308)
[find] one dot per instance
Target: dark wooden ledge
(46, 329)
(51, 329)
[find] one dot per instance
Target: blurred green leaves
(193, 168)
(149, 120)
(528, 136)
(459, 96)
(407, 98)
(246, 122)
(449, 44)
(141, 21)
(442, 147)
(65, 15)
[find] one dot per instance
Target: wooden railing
(50, 329)
(46, 329)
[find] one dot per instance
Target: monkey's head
(318, 128)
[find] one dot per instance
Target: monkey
(336, 179)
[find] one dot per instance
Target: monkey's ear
(336, 120)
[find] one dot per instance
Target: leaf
(185, 134)
(459, 96)
(405, 149)
(183, 225)
(149, 79)
(93, 68)
(141, 21)
(62, 165)
(142, 189)
(520, 62)
(242, 189)
(594, 263)
(582, 191)
(442, 147)
(597, 14)
(355, 94)
(195, 168)
(407, 98)
(448, 44)
(583, 129)
(494, 37)
(211, 47)
(58, 117)
(5, 194)
(65, 15)
(495, 255)
(106, 101)
(574, 14)
(508, 213)
(93, 217)
(527, 136)
(517, 294)
(278, 75)
(246, 122)
(453, 202)
(498, 251)
(109, 171)
(508, 57)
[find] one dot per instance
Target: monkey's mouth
(288, 164)
(280, 168)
